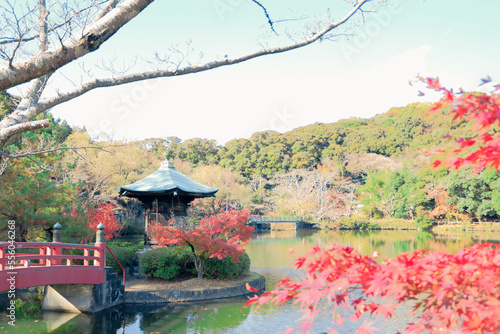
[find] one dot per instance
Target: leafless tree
(319, 194)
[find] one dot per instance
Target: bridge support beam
(84, 298)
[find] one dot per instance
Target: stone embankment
(150, 291)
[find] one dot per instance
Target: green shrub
(166, 263)
(225, 268)
(123, 244)
(168, 272)
(169, 263)
(423, 223)
(123, 254)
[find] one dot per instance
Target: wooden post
(56, 232)
(101, 243)
(56, 238)
(99, 239)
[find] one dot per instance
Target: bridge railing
(19, 255)
(27, 264)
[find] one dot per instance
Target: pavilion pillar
(146, 227)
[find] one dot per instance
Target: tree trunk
(199, 267)
(198, 262)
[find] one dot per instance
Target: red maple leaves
(220, 236)
(105, 214)
(452, 291)
(483, 148)
(91, 218)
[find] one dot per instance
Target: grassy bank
(467, 226)
(363, 223)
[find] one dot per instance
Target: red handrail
(48, 255)
(123, 270)
(67, 251)
(49, 265)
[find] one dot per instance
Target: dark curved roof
(165, 181)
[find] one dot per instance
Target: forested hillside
(406, 130)
(372, 168)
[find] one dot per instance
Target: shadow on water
(107, 321)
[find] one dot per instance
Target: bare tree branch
(113, 16)
(98, 83)
(23, 127)
(99, 32)
(4, 164)
(43, 44)
(28, 39)
(29, 149)
(38, 152)
(106, 9)
(19, 121)
(91, 39)
(266, 14)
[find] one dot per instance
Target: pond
(270, 256)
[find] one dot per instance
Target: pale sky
(326, 82)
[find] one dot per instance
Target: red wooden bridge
(28, 264)
(66, 270)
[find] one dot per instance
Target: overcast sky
(354, 77)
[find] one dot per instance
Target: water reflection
(270, 256)
(200, 317)
(107, 321)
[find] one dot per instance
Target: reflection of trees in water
(106, 321)
(378, 243)
(422, 237)
(453, 241)
(403, 246)
(362, 233)
(389, 243)
(199, 317)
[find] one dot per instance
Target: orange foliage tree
(219, 236)
(105, 214)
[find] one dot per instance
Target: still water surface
(270, 256)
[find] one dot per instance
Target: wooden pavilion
(165, 194)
